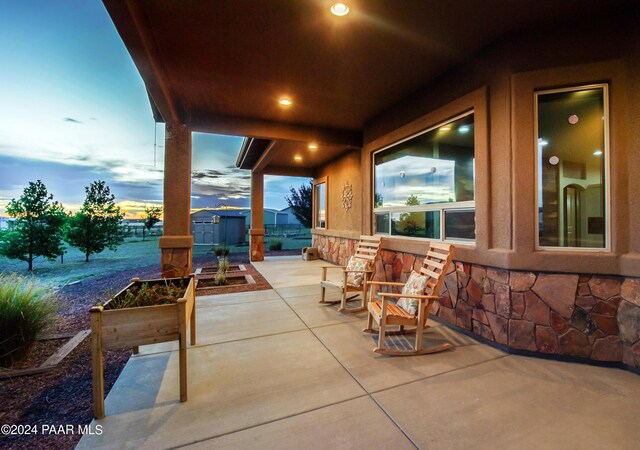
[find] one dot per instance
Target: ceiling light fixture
(285, 101)
(542, 142)
(597, 152)
(313, 146)
(445, 128)
(298, 158)
(464, 129)
(339, 9)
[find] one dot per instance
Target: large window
(572, 154)
(424, 185)
(320, 203)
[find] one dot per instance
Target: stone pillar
(256, 232)
(177, 241)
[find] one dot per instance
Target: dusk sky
(73, 109)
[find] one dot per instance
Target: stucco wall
(341, 221)
(499, 84)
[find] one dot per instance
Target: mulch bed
(62, 396)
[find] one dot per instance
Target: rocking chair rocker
(414, 303)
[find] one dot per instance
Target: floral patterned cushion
(415, 285)
(357, 278)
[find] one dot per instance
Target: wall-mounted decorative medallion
(347, 196)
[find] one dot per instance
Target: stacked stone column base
(175, 259)
(256, 241)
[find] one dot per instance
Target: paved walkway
(273, 369)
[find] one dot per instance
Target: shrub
(275, 245)
(220, 278)
(223, 264)
(221, 251)
(26, 308)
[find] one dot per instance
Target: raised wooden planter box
(116, 329)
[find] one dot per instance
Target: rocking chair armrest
(417, 296)
(385, 283)
(359, 271)
(333, 267)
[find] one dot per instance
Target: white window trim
(607, 171)
(441, 207)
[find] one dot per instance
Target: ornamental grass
(27, 307)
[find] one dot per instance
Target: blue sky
(74, 109)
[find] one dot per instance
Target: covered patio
(274, 369)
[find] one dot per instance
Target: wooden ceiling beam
(265, 129)
(290, 171)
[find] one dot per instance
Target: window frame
(317, 182)
(441, 207)
(607, 169)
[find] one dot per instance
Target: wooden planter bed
(212, 270)
(232, 280)
(115, 329)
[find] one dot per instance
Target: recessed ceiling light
(445, 128)
(313, 146)
(285, 101)
(298, 158)
(542, 142)
(597, 152)
(464, 129)
(339, 9)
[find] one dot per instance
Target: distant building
(271, 217)
(229, 230)
(291, 218)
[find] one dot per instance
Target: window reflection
(434, 167)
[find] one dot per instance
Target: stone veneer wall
(586, 316)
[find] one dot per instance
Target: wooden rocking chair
(385, 313)
(356, 275)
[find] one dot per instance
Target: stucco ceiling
(221, 66)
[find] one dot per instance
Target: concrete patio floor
(274, 369)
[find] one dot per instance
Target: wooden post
(182, 339)
(192, 320)
(97, 365)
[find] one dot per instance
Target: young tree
(37, 230)
(151, 216)
(96, 225)
(300, 202)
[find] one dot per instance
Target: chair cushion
(357, 278)
(415, 286)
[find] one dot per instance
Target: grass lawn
(134, 252)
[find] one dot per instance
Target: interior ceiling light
(298, 158)
(542, 142)
(597, 152)
(554, 160)
(464, 129)
(313, 146)
(339, 9)
(573, 119)
(445, 128)
(285, 101)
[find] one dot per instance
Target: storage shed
(229, 230)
